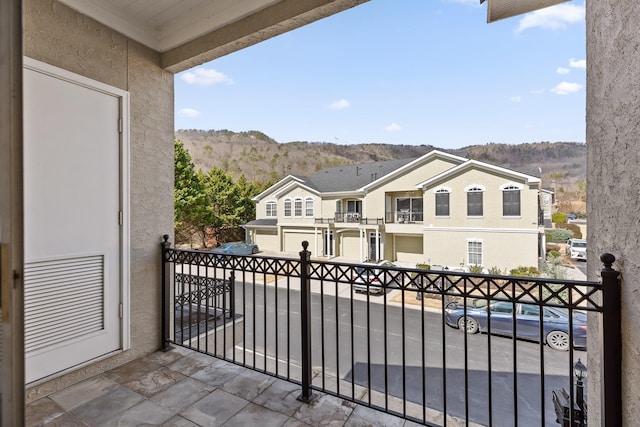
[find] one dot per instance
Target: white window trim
(269, 203)
(511, 186)
(441, 190)
(298, 199)
(306, 208)
(481, 241)
(475, 188)
(290, 202)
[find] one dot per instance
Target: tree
(191, 213)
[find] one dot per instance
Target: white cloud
(554, 18)
(562, 70)
(205, 77)
(339, 105)
(516, 99)
(566, 88)
(188, 112)
(578, 63)
(393, 127)
(538, 91)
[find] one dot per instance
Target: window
(474, 252)
(308, 207)
(272, 209)
(409, 209)
(354, 206)
(297, 207)
(287, 207)
(530, 310)
(511, 201)
(442, 202)
(501, 307)
(474, 201)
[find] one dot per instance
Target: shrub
(558, 235)
(523, 271)
(553, 268)
(423, 266)
(559, 218)
(577, 233)
(475, 269)
(553, 254)
(495, 271)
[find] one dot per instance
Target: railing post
(166, 294)
(305, 323)
(611, 343)
(232, 294)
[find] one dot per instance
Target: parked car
(369, 277)
(577, 249)
(555, 322)
(236, 248)
(572, 216)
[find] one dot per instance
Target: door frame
(124, 176)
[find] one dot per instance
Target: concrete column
(11, 216)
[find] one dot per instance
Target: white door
(72, 202)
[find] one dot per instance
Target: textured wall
(613, 199)
(59, 36)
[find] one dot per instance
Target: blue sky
(402, 72)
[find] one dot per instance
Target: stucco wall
(61, 37)
(613, 178)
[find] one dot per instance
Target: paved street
(342, 321)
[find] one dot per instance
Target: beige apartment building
(438, 209)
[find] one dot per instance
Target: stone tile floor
(184, 388)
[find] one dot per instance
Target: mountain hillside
(262, 159)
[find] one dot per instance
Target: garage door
(349, 245)
(409, 248)
(267, 240)
(293, 242)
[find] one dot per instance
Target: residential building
(437, 209)
(111, 43)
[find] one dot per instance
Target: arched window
(297, 207)
(474, 200)
(308, 207)
(511, 199)
(272, 209)
(287, 208)
(442, 201)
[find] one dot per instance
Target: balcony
(256, 340)
(404, 217)
(349, 218)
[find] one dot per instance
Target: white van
(577, 249)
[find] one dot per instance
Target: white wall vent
(63, 300)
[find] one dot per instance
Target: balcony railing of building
(401, 340)
(404, 217)
(349, 218)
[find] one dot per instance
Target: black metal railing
(404, 217)
(388, 337)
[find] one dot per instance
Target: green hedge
(559, 218)
(577, 233)
(558, 235)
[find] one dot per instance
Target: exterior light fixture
(501, 9)
(580, 371)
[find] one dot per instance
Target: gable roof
(471, 164)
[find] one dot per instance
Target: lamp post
(580, 371)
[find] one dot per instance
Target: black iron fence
(434, 347)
